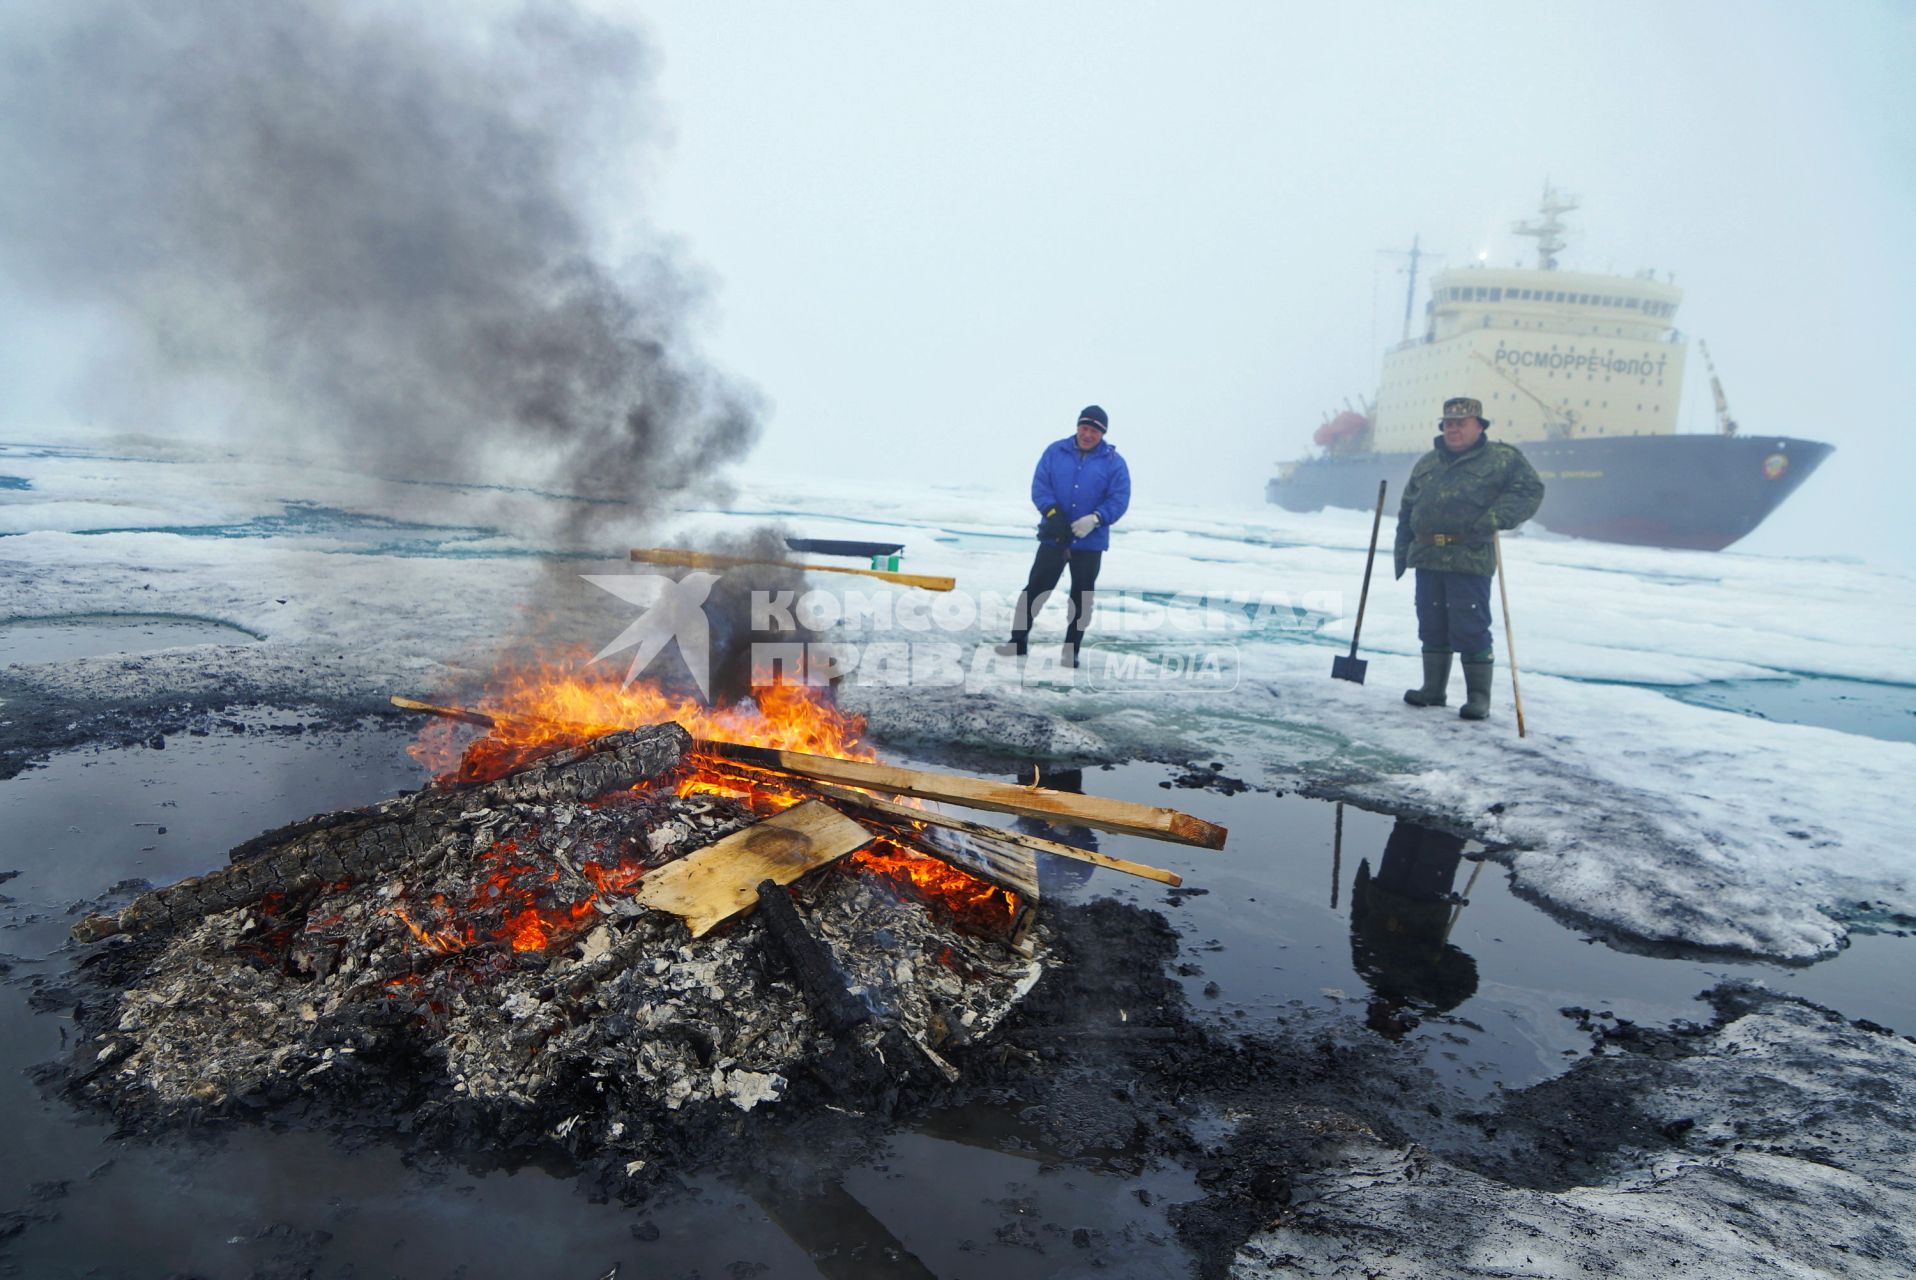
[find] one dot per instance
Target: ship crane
(1725, 424)
(1558, 424)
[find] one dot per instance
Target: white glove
(1084, 524)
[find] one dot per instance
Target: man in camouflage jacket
(1459, 494)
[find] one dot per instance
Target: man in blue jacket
(1081, 488)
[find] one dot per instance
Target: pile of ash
(470, 964)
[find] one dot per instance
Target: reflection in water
(1061, 876)
(1401, 919)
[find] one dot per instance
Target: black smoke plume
(379, 225)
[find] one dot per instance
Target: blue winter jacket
(1082, 483)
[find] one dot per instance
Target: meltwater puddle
(92, 635)
(1862, 707)
(1321, 908)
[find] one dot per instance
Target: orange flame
(969, 898)
(563, 701)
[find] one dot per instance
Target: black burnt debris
(472, 963)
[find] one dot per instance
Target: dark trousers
(1453, 613)
(1045, 572)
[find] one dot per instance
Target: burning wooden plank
(992, 835)
(1121, 816)
(821, 774)
(713, 560)
(710, 886)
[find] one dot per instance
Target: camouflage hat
(1463, 407)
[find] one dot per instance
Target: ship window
(1496, 295)
(1632, 303)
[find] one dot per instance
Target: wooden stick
(1510, 639)
(976, 793)
(480, 718)
(713, 560)
(503, 719)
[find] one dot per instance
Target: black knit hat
(1096, 417)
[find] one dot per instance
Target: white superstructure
(1552, 354)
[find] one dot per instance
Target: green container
(888, 563)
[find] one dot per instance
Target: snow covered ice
(1644, 818)
(1654, 820)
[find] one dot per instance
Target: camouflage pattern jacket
(1464, 497)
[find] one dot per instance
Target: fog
(926, 235)
(941, 230)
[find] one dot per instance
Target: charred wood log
(819, 976)
(364, 843)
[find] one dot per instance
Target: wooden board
(977, 793)
(709, 886)
(713, 560)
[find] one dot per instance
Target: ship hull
(1692, 492)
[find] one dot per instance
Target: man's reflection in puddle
(1061, 877)
(1400, 929)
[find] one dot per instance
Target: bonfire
(613, 914)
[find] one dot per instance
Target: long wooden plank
(976, 793)
(995, 835)
(709, 886)
(713, 560)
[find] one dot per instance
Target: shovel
(1352, 668)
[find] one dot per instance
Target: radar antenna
(1725, 424)
(1548, 229)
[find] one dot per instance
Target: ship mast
(1416, 255)
(1548, 229)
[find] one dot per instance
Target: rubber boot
(1477, 682)
(1436, 680)
(1010, 649)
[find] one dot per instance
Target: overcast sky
(929, 233)
(935, 231)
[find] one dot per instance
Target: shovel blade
(1349, 668)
